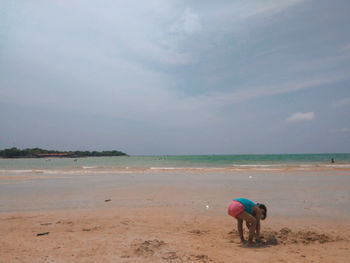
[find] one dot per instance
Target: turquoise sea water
(186, 161)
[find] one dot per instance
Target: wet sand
(159, 216)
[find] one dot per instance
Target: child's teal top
(247, 204)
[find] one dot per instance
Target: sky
(176, 77)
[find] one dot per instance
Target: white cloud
(187, 24)
(341, 102)
(346, 48)
(301, 116)
(343, 130)
(266, 8)
(246, 93)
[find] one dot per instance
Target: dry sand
(163, 235)
(163, 217)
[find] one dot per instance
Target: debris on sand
(42, 234)
(198, 232)
(45, 224)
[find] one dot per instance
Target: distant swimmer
(244, 209)
(332, 160)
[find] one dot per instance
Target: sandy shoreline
(163, 217)
(163, 235)
(272, 168)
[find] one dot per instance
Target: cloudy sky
(176, 77)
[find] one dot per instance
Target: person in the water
(245, 210)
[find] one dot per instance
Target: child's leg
(252, 224)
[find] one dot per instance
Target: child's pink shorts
(235, 208)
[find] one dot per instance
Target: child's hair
(263, 207)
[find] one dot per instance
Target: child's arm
(257, 228)
(240, 229)
(257, 236)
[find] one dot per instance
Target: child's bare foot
(248, 244)
(258, 240)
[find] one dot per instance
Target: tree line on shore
(40, 153)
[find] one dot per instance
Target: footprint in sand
(92, 228)
(45, 224)
(171, 256)
(199, 232)
(126, 222)
(146, 249)
(199, 258)
(158, 248)
(174, 258)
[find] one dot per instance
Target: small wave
(258, 167)
(166, 168)
(186, 168)
(338, 165)
(16, 171)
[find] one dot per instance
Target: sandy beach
(127, 128)
(172, 216)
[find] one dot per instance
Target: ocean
(283, 182)
(175, 162)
